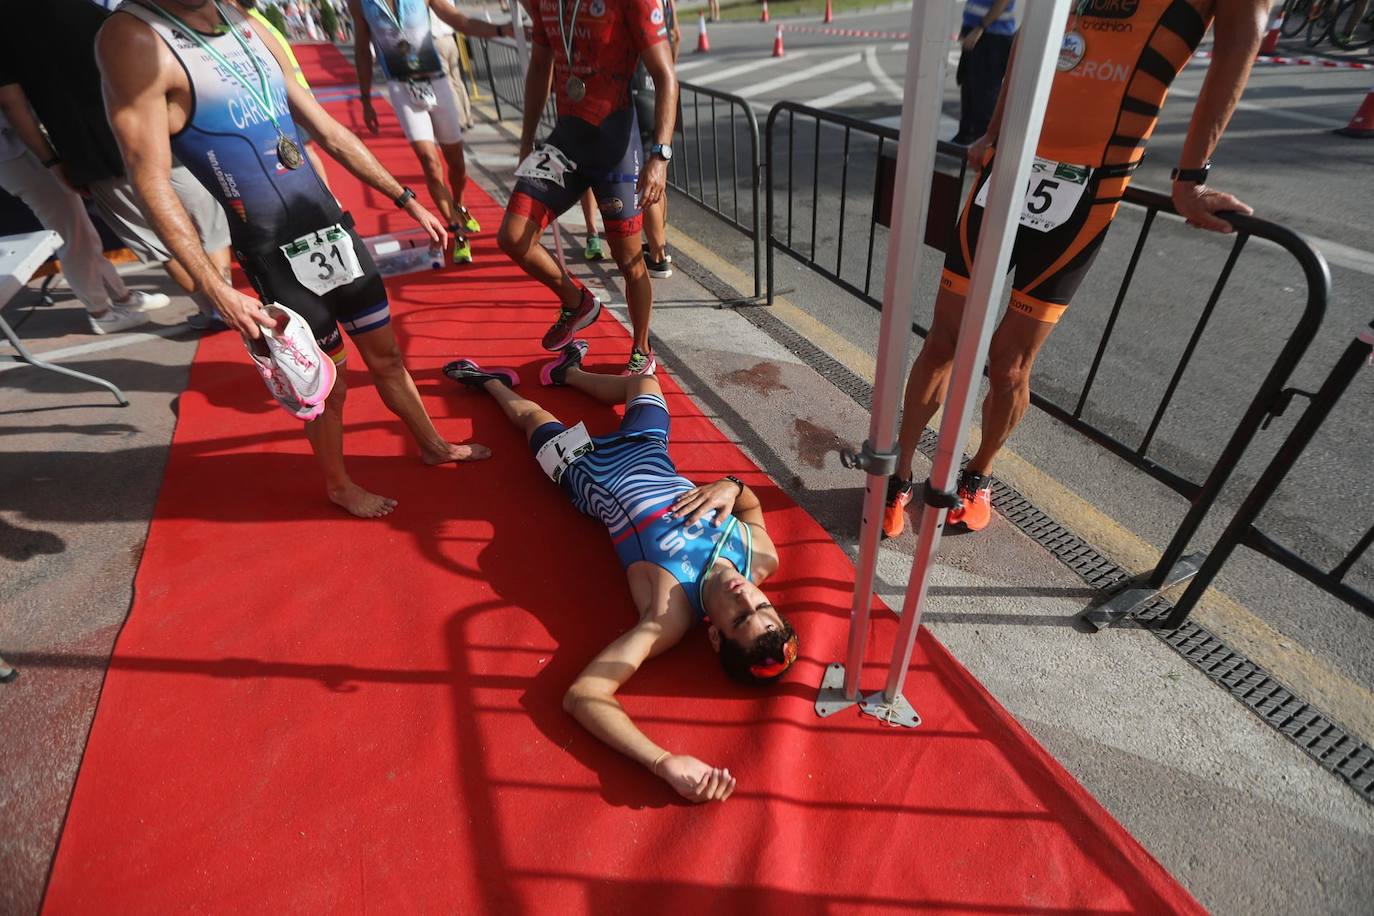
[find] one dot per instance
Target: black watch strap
(49, 163)
(406, 196)
(734, 480)
(1198, 176)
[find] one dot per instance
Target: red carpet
(308, 713)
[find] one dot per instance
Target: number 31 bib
(323, 260)
(1052, 195)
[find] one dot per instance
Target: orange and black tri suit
(1115, 67)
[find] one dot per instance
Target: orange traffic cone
(1270, 45)
(777, 43)
(703, 43)
(829, 13)
(1362, 125)
(764, 17)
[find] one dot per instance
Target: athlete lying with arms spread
(692, 554)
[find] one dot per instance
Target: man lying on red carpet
(691, 553)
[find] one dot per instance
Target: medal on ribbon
(576, 89)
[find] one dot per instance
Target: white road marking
(875, 68)
(1273, 112)
(753, 65)
(693, 64)
(787, 79)
(840, 96)
(1344, 256)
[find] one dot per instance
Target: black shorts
(608, 158)
(360, 306)
(1049, 266)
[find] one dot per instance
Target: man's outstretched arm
(591, 701)
(362, 62)
(467, 24)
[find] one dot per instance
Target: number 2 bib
(562, 450)
(1052, 195)
(547, 163)
(323, 260)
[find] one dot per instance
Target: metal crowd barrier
(1242, 529)
(499, 65)
(874, 143)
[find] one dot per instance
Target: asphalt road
(1278, 155)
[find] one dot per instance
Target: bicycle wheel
(1354, 25)
(1319, 22)
(1295, 17)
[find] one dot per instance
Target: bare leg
(612, 389)
(656, 228)
(457, 170)
(639, 290)
(929, 379)
(519, 239)
(325, 433)
(521, 411)
(432, 163)
(397, 389)
(1011, 355)
(589, 212)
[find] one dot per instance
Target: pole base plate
(1130, 599)
(897, 713)
(831, 699)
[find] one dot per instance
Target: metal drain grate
(1325, 741)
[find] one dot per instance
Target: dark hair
(774, 648)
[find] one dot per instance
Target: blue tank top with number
(403, 38)
(230, 144)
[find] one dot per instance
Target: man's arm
(467, 24)
(1237, 33)
(14, 104)
(658, 60)
(344, 145)
(537, 83)
(362, 62)
(591, 701)
(135, 64)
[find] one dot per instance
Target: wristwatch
(405, 197)
(662, 151)
(1197, 176)
(734, 480)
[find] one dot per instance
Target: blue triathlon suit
(629, 483)
(230, 145)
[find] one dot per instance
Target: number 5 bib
(1052, 195)
(323, 260)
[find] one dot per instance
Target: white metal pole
(932, 25)
(1038, 48)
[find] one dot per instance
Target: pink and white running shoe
(296, 371)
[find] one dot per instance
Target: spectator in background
(446, 43)
(657, 260)
(110, 305)
(989, 26)
(55, 80)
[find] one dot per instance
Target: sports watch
(663, 151)
(1197, 176)
(405, 197)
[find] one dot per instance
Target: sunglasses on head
(772, 667)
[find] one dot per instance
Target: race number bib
(562, 450)
(323, 260)
(422, 94)
(547, 163)
(1052, 195)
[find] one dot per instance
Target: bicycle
(1352, 26)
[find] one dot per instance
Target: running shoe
(139, 301)
(462, 251)
(209, 322)
(555, 372)
(466, 218)
(570, 321)
(975, 502)
(116, 318)
(659, 270)
(894, 509)
(467, 372)
(640, 363)
(276, 383)
(297, 360)
(594, 251)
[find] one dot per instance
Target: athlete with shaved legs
(202, 79)
(1115, 67)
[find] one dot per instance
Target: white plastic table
(20, 256)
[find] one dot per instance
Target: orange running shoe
(975, 498)
(894, 512)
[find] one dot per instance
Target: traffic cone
(764, 17)
(1270, 45)
(1362, 125)
(703, 43)
(829, 13)
(777, 43)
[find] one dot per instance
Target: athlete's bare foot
(361, 503)
(468, 451)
